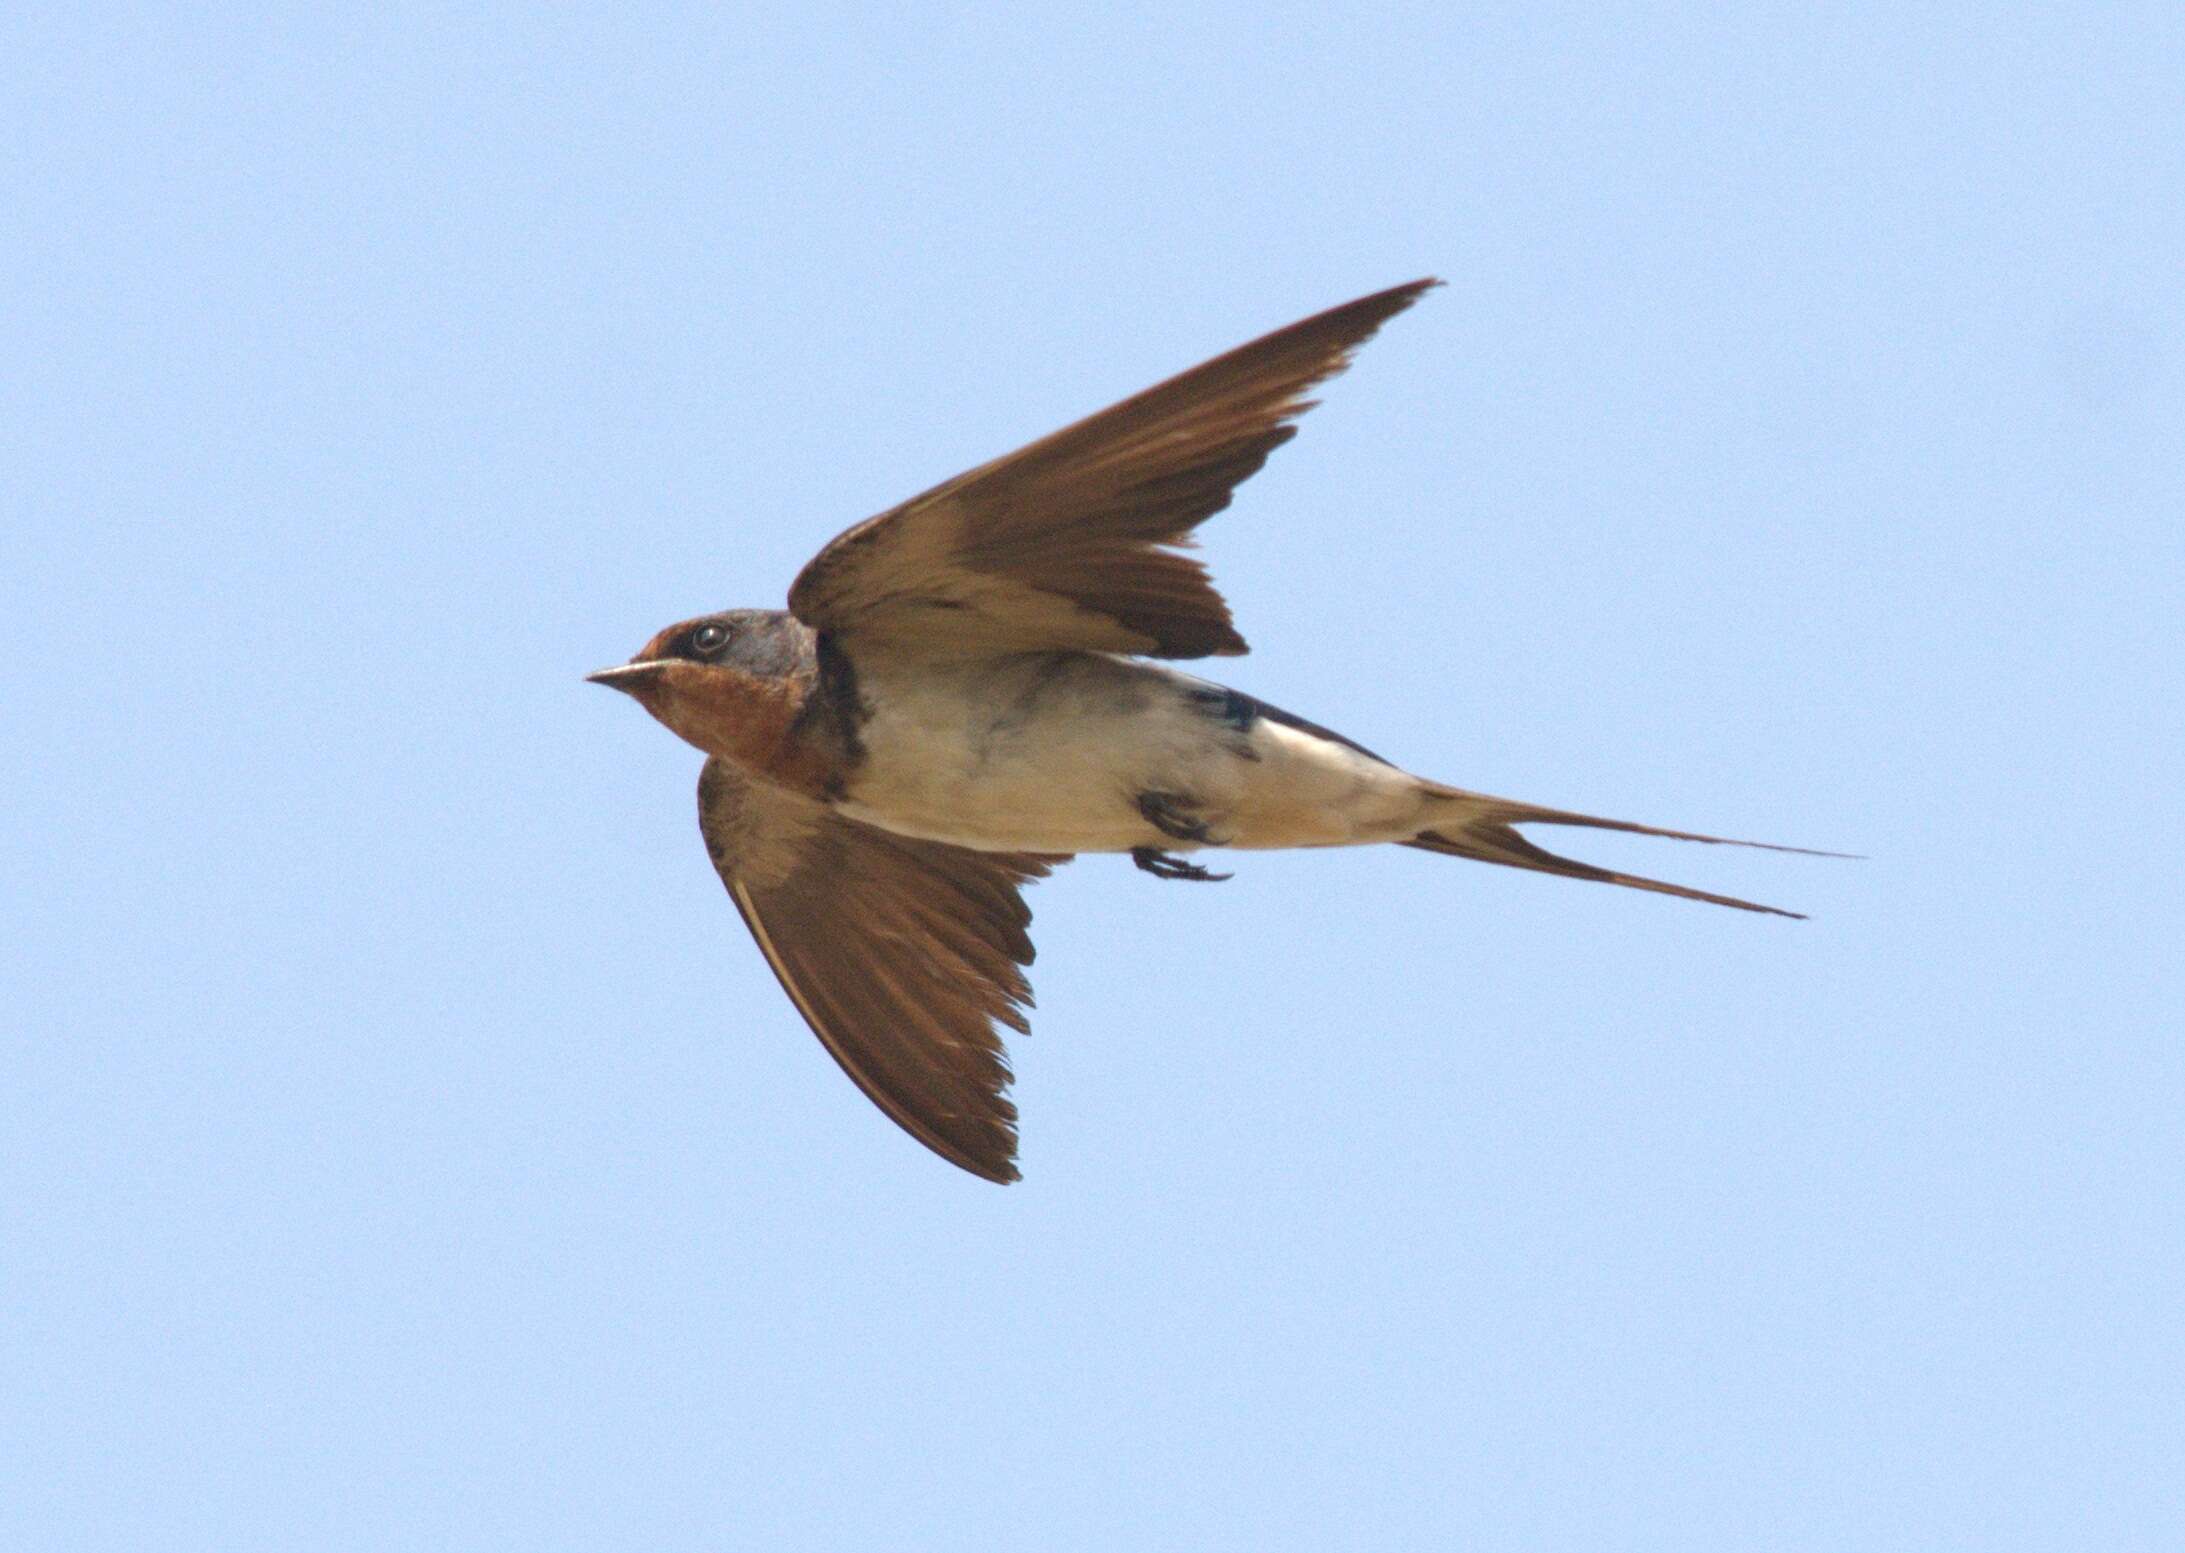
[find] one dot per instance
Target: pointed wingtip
(1357, 320)
(1385, 305)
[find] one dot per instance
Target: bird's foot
(1167, 865)
(1174, 814)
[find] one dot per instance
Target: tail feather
(1484, 829)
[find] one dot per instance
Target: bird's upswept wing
(902, 955)
(1071, 541)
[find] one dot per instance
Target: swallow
(968, 690)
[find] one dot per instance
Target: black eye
(709, 639)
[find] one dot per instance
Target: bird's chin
(650, 682)
(698, 703)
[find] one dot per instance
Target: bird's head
(728, 683)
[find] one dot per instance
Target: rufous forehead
(660, 645)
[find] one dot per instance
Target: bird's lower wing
(902, 955)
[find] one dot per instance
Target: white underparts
(1057, 752)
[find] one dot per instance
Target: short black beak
(628, 677)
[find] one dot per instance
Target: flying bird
(965, 692)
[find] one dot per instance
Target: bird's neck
(765, 723)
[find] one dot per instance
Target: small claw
(1167, 865)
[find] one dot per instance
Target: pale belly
(1067, 752)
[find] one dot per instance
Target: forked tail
(1484, 828)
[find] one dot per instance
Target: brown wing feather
(1069, 542)
(901, 955)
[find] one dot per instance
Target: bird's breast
(1040, 752)
(1079, 752)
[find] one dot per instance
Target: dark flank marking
(1171, 815)
(1233, 707)
(1275, 714)
(1234, 710)
(1167, 865)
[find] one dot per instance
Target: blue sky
(402, 1146)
